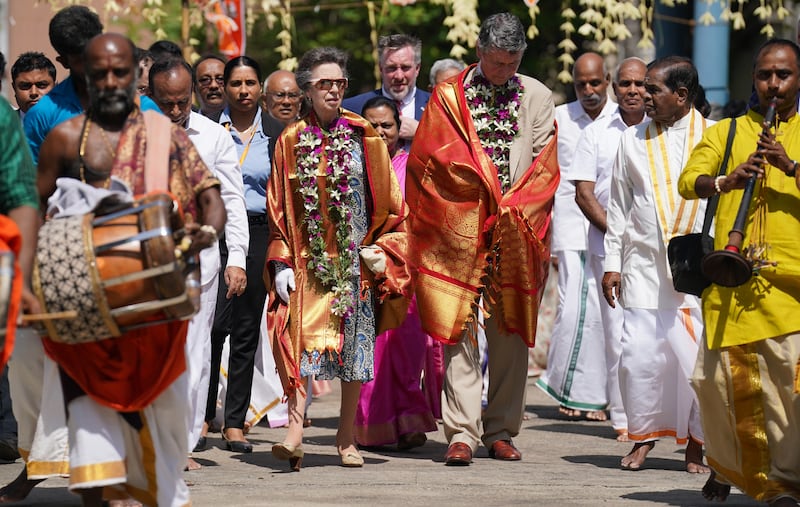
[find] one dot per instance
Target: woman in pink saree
(392, 407)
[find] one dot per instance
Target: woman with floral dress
(336, 269)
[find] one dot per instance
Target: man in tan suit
(486, 258)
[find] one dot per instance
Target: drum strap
(158, 131)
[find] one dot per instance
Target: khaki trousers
(461, 396)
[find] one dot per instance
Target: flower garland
(334, 274)
(495, 114)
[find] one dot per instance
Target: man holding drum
(127, 394)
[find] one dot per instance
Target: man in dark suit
(399, 58)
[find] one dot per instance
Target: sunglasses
(327, 84)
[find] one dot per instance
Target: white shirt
(408, 103)
(217, 150)
(570, 226)
(593, 161)
(634, 243)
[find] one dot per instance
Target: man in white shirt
(576, 368)
(591, 173)
(170, 84)
(661, 327)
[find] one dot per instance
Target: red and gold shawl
(469, 239)
(307, 323)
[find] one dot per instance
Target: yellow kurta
(308, 324)
(765, 306)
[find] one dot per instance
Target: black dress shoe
(202, 444)
(8, 450)
(242, 447)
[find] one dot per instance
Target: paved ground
(564, 464)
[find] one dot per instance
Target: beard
(112, 103)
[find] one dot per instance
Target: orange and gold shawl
(469, 239)
(307, 323)
(10, 242)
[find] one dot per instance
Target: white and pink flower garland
(495, 114)
(334, 274)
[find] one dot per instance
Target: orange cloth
(462, 226)
(11, 241)
(308, 324)
(128, 372)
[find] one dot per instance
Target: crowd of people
(399, 240)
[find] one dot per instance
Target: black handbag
(685, 253)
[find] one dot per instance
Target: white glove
(284, 282)
(374, 258)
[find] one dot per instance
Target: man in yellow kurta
(747, 377)
(482, 173)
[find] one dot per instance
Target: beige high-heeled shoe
(287, 451)
(352, 459)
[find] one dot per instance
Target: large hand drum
(118, 271)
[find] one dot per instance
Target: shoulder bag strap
(711, 207)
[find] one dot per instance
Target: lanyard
(247, 147)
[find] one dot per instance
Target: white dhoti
(612, 333)
(266, 393)
(41, 422)
(142, 453)
(576, 366)
(659, 350)
(198, 358)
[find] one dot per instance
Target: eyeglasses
(285, 95)
(206, 80)
(327, 84)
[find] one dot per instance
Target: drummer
(136, 387)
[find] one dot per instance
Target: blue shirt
(255, 164)
(61, 104)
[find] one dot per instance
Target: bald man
(281, 96)
(576, 368)
(126, 396)
(591, 173)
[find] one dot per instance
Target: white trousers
(612, 332)
(41, 421)
(144, 452)
(576, 365)
(198, 359)
(659, 350)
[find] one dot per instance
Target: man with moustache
(33, 75)
(281, 96)
(126, 396)
(208, 84)
(747, 375)
(170, 85)
(576, 369)
(399, 60)
(591, 172)
(661, 327)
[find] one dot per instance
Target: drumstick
(35, 317)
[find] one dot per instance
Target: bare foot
(622, 435)
(127, 502)
(694, 458)
(713, 490)
(18, 489)
(596, 415)
(192, 465)
(635, 459)
(784, 501)
(246, 428)
(569, 412)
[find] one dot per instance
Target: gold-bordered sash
(676, 216)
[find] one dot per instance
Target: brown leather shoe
(504, 450)
(458, 454)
